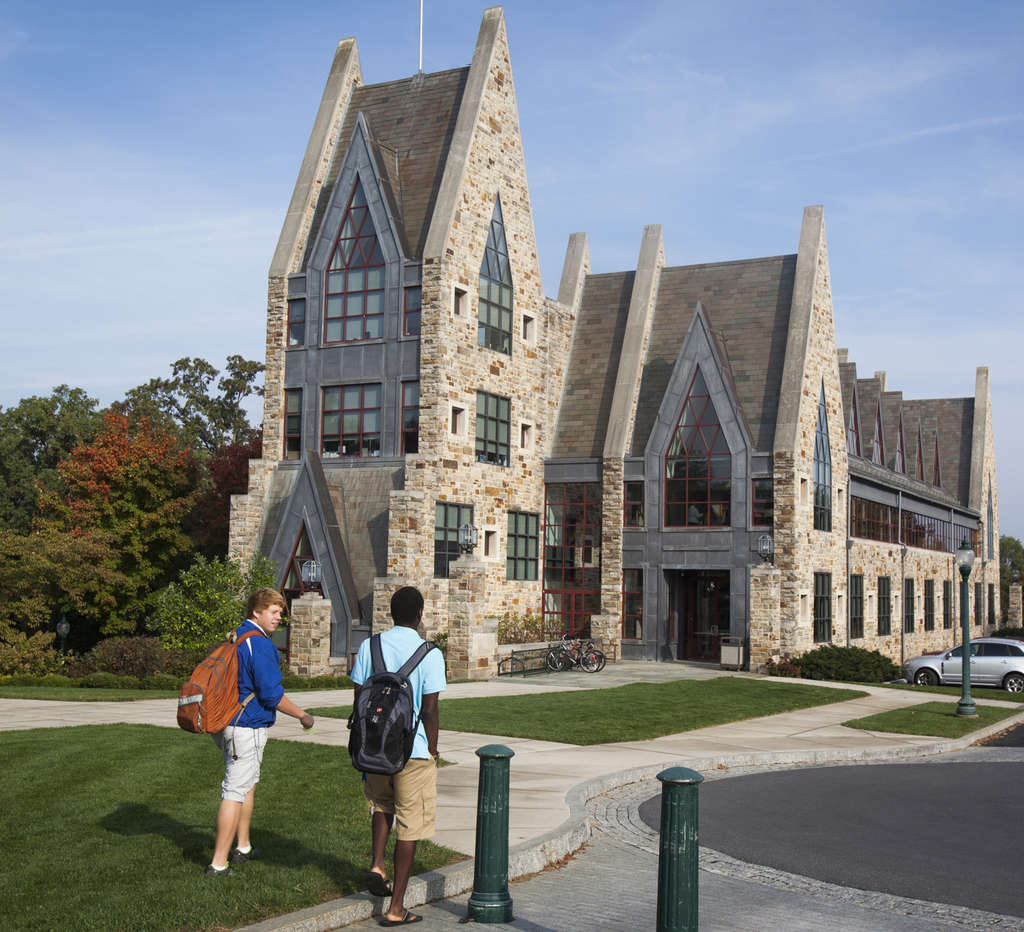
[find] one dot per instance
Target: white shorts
(243, 753)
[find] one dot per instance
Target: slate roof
(411, 122)
(954, 419)
(747, 303)
(593, 366)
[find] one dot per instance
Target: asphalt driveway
(946, 830)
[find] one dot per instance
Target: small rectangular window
(856, 606)
(297, 322)
(459, 302)
(947, 604)
(526, 436)
(521, 557)
(411, 311)
(632, 605)
(884, 606)
(458, 420)
(529, 330)
(978, 593)
(492, 429)
(991, 603)
(822, 607)
(762, 502)
(410, 417)
(448, 518)
(908, 606)
(929, 605)
(293, 423)
(633, 504)
(489, 543)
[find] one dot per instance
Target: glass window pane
(375, 277)
(354, 328)
(374, 327)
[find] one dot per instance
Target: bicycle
(573, 652)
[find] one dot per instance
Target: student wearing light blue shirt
(408, 798)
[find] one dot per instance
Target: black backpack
(382, 726)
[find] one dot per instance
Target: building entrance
(700, 605)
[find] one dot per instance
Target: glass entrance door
(701, 602)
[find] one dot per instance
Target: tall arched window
(494, 308)
(878, 446)
(355, 277)
(853, 429)
(698, 464)
(822, 470)
(901, 454)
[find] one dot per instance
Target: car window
(956, 652)
(996, 650)
(1015, 651)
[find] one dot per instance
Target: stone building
(623, 451)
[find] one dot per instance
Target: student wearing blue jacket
(259, 675)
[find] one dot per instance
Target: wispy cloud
(12, 38)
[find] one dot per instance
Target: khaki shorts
(243, 754)
(410, 795)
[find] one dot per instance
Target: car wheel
(1014, 683)
(926, 677)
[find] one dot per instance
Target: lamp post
(964, 562)
(63, 627)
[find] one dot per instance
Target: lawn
(935, 719)
(979, 692)
(110, 827)
(75, 694)
(626, 713)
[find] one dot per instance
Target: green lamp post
(964, 561)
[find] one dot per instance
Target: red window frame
(762, 501)
(572, 557)
(632, 605)
(412, 304)
(633, 503)
(350, 420)
(410, 417)
(354, 280)
(293, 423)
(296, 321)
(698, 464)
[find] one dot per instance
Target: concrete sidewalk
(551, 783)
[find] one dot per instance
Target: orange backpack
(208, 702)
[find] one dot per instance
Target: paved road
(893, 828)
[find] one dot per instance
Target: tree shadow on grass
(136, 819)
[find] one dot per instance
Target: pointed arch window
(900, 465)
(853, 429)
(822, 469)
(698, 464)
(494, 307)
(920, 455)
(878, 446)
(936, 472)
(293, 586)
(355, 277)
(990, 531)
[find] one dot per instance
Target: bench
(525, 662)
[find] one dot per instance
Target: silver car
(994, 662)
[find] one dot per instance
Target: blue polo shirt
(397, 646)
(259, 672)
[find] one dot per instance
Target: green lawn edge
(932, 720)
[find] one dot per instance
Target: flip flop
(407, 919)
(377, 885)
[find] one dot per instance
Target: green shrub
(207, 602)
(848, 664)
(134, 656)
(54, 679)
(441, 640)
(1009, 633)
(520, 628)
(101, 681)
(160, 681)
(294, 681)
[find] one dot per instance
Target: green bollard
(490, 900)
(678, 851)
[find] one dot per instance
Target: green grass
(979, 692)
(626, 713)
(110, 827)
(75, 694)
(935, 719)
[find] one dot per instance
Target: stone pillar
(1013, 619)
(309, 645)
(606, 633)
(765, 615)
(472, 638)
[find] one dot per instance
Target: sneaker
(240, 857)
(212, 871)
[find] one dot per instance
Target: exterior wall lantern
(964, 561)
(766, 547)
(468, 537)
(311, 572)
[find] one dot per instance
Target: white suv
(994, 662)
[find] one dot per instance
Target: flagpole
(421, 36)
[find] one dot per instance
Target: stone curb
(534, 855)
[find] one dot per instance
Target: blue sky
(148, 153)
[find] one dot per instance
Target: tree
(127, 490)
(1011, 561)
(227, 474)
(207, 421)
(35, 436)
(207, 602)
